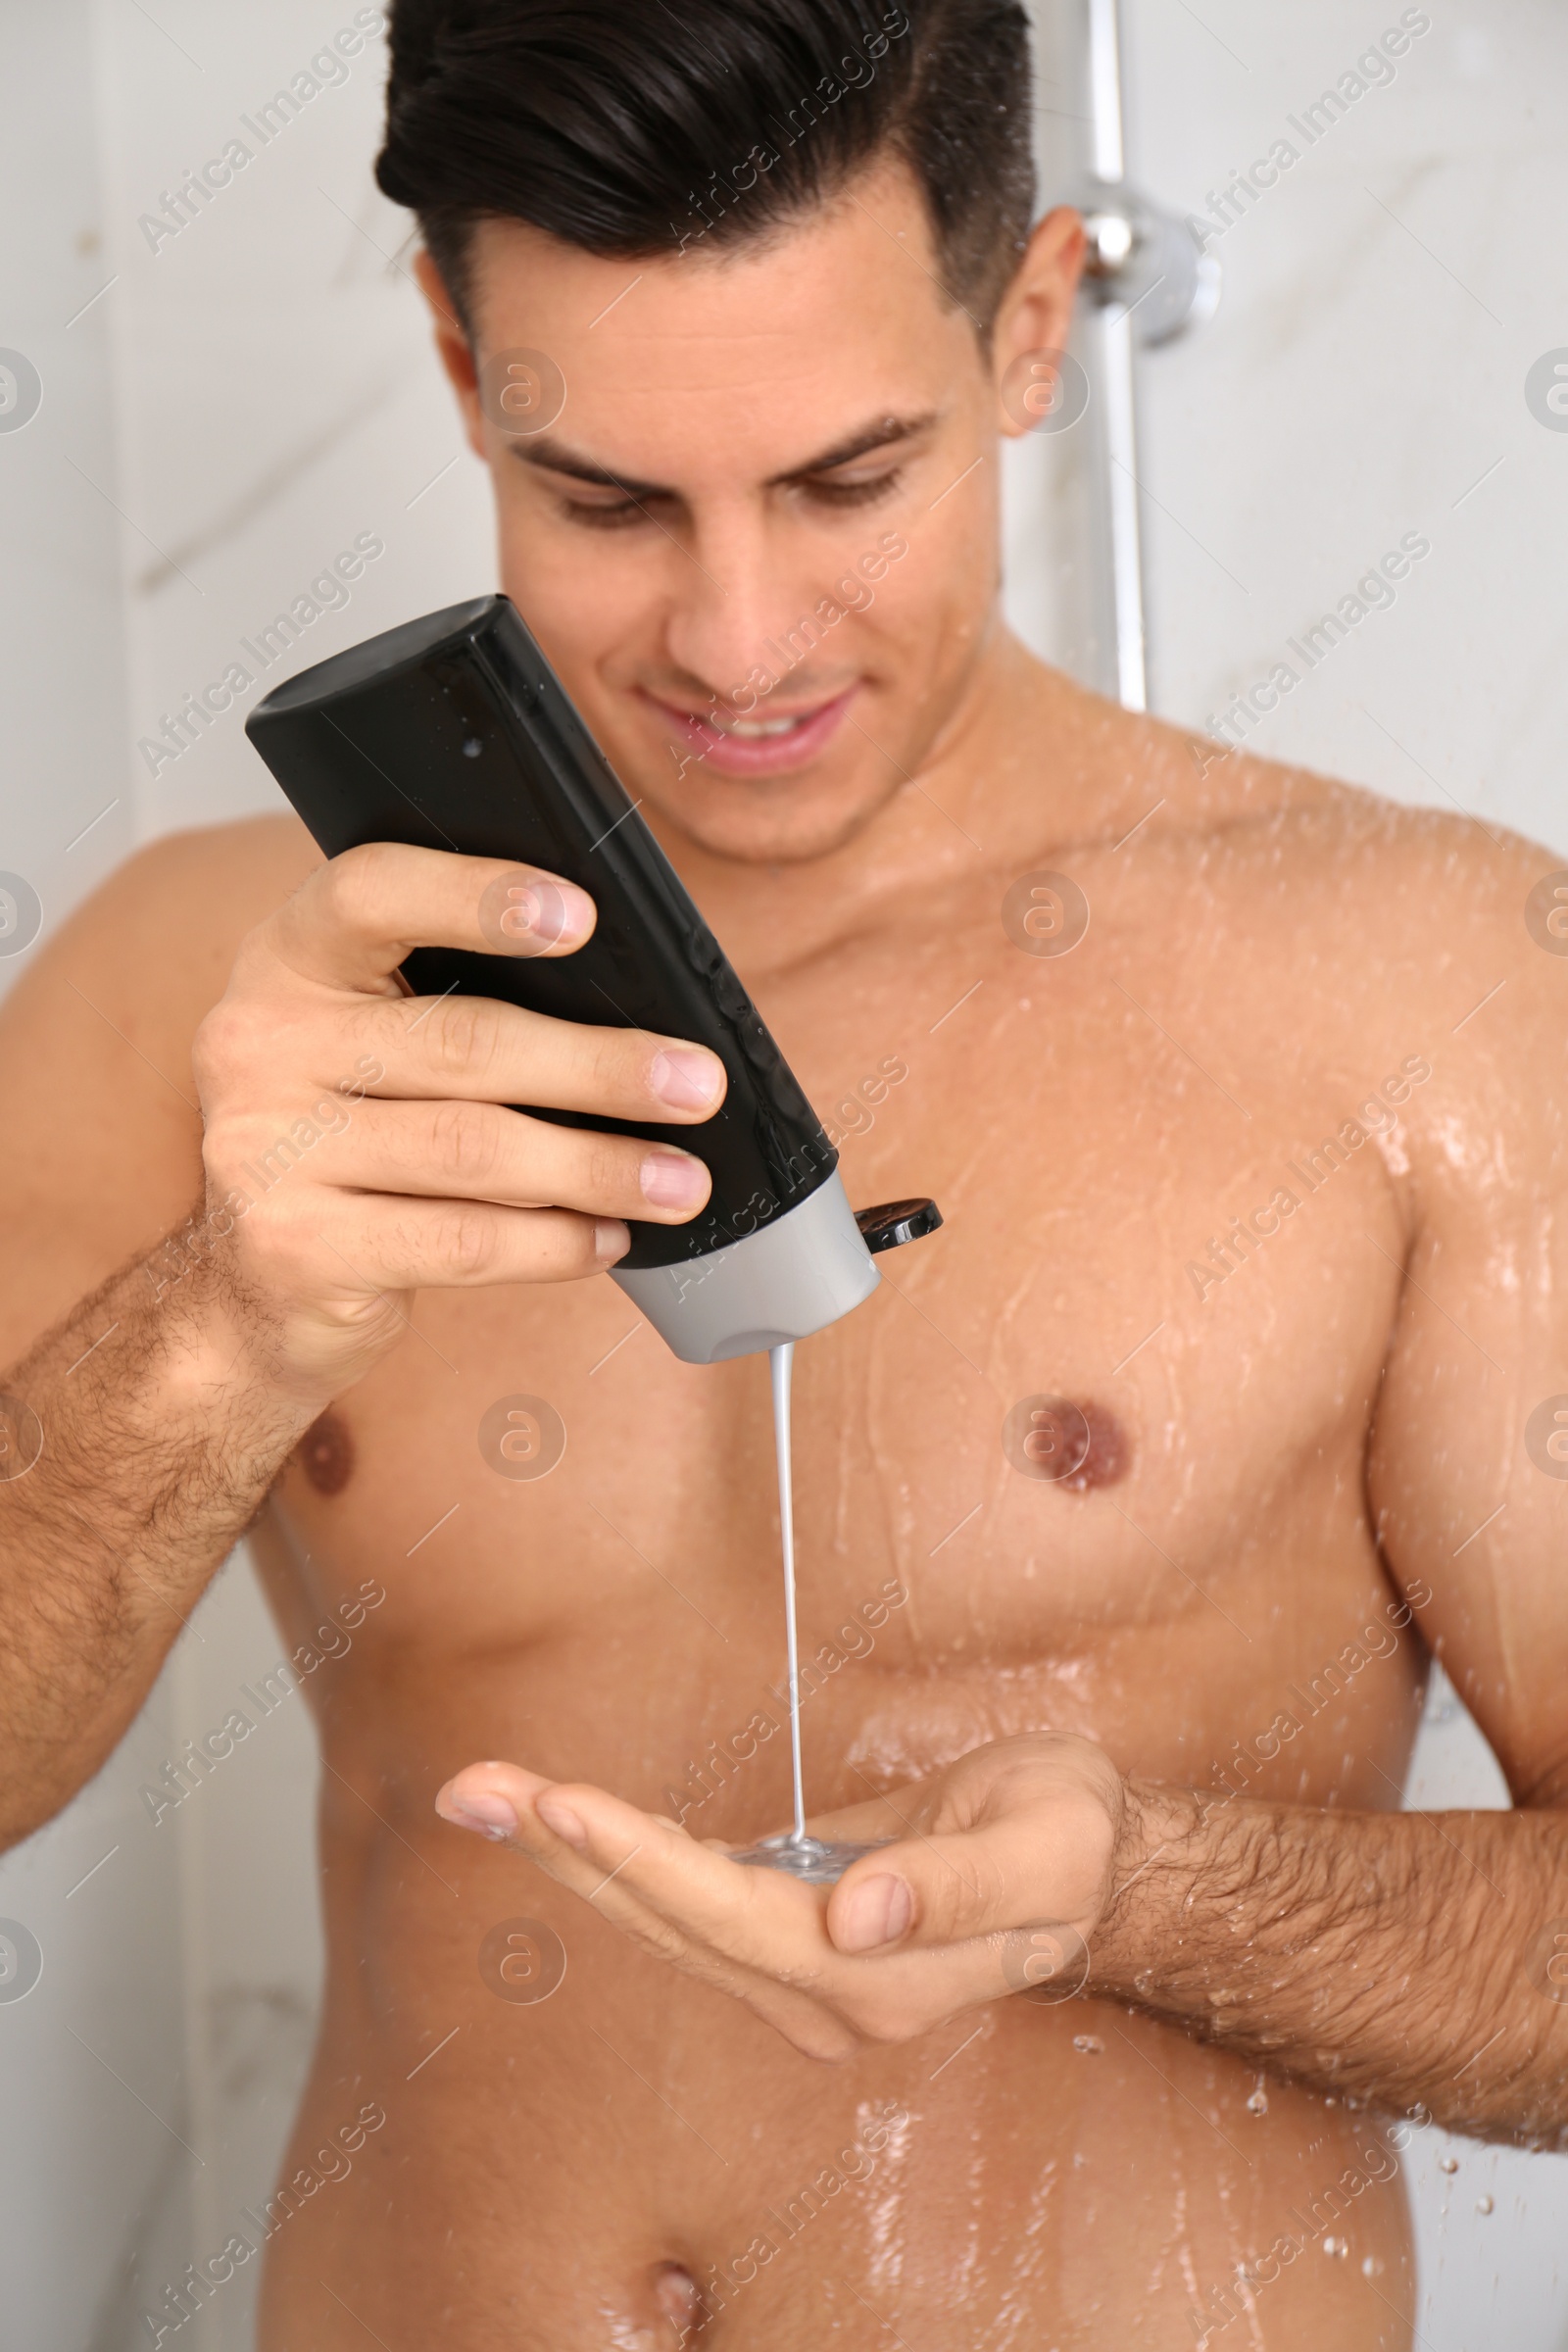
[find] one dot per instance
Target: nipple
(1107, 1455)
(325, 1453)
(1073, 1442)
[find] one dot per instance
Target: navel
(325, 1453)
(678, 2299)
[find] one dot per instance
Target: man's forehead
(782, 351)
(860, 267)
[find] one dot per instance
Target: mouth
(766, 743)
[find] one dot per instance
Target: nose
(742, 584)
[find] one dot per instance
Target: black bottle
(452, 732)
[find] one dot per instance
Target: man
(1129, 1508)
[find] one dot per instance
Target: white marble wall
(252, 394)
(93, 2082)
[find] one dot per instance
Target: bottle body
(452, 733)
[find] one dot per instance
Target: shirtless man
(1258, 1177)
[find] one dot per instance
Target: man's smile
(763, 743)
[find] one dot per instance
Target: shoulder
(153, 946)
(1344, 919)
(1404, 932)
(95, 1057)
(185, 903)
(1382, 885)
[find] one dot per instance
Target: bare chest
(1114, 1412)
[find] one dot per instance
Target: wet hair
(637, 128)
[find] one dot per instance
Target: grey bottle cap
(788, 1279)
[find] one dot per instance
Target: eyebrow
(885, 432)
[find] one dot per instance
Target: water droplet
(1483, 2205)
(1258, 2102)
(1370, 2266)
(1447, 2164)
(1090, 2044)
(1336, 2246)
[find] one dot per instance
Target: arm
(1397, 1959)
(1400, 1958)
(346, 1145)
(157, 1428)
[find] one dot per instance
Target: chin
(772, 829)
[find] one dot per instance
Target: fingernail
(686, 1078)
(611, 1240)
(563, 1820)
(543, 913)
(879, 1909)
(672, 1180)
(491, 1816)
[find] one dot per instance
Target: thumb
(940, 1889)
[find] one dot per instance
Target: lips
(767, 743)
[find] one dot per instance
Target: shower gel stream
(820, 1862)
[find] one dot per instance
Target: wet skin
(1267, 954)
(616, 1617)
(612, 1620)
(535, 2180)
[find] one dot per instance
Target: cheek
(931, 605)
(593, 599)
(546, 557)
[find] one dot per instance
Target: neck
(1005, 783)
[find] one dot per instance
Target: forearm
(158, 1424)
(1395, 1959)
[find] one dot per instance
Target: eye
(863, 493)
(619, 516)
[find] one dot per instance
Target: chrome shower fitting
(1146, 260)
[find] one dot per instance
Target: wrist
(1159, 1853)
(277, 1344)
(222, 1354)
(225, 1368)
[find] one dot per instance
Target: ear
(1036, 311)
(457, 352)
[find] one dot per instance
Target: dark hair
(631, 127)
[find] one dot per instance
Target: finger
(874, 1820)
(479, 1151)
(502, 1802)
(480, 1048)
(947, 1887)
(753, 1933)
(355, 919)
(506, 1803)
(1018, 1832)
(404, 1245)
(593, 1841)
